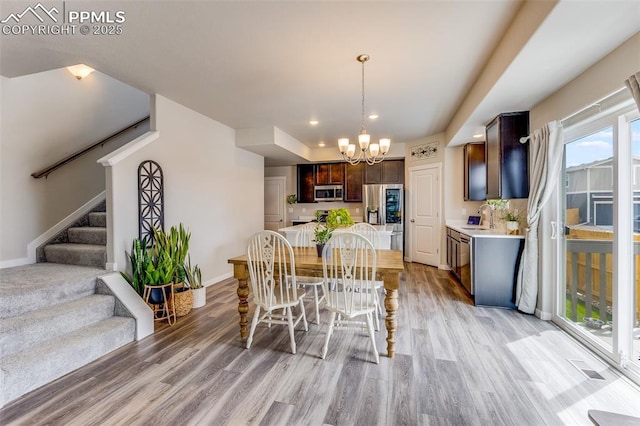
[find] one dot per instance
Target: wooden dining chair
(304, 238)
(273, 281)
(349, 268)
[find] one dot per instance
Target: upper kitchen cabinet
(305, 183)
(330, 174)
(389, 171)
(475, 172)
(506, 158)
(354, 178)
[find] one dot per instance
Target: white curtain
(633, 83)
(545, 160)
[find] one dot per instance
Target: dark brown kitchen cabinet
(506, 158)
(305, 183)
(354, 178)
(475, 172)
(389, 171)
(373, 174)
(329, 174)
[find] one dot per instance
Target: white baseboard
(444, 267)
(217, 279)
(545, 316)
(15, 262)
(111, 266)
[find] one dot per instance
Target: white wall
(214, 188)
(603, 78)
(290, 172)
(45, 117)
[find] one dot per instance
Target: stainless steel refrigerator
(384, 205)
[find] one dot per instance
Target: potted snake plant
(194, 279)
(174, 245)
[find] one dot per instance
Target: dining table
(389, 266)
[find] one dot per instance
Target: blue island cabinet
(494, 269)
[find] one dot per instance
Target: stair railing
(55, 166)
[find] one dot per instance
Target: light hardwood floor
(455, 364)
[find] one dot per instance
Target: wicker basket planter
(183, 301)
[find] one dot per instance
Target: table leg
(391, 282)
(241, 273)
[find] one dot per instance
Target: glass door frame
(619, 119)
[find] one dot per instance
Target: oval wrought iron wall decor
(150, 200)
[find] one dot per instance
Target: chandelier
(372, 153)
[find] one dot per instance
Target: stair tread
(27, 370)
(87, 235)
(34, 327)
(52, 311)
(76, 254)
(64, 342)
(98, 219)
(29, 278)
(30, 287)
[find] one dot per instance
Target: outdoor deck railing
(589, 277)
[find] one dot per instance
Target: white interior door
(274, 202)
(424, 223)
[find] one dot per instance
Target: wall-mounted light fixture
(80, 71)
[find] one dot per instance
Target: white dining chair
(366, 230)
(371, 234)
(304, 238)
(349, 268)
(273, 280)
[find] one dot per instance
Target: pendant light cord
(362, 130)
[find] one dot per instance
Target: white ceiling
(257, 64)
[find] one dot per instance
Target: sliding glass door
(588, 236)
(598, 293)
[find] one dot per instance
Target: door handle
(554, 230)
(412, 220)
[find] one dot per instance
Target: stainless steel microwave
(327, 193)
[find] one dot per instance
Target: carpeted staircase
(56, 316)
(85, 243)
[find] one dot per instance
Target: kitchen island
(383, 243)
(485, 261)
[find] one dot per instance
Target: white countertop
(479, 231)
(382, 229)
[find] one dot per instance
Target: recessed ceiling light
(321, 144)
(478, 135)
(373, 116)
(313, 122)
